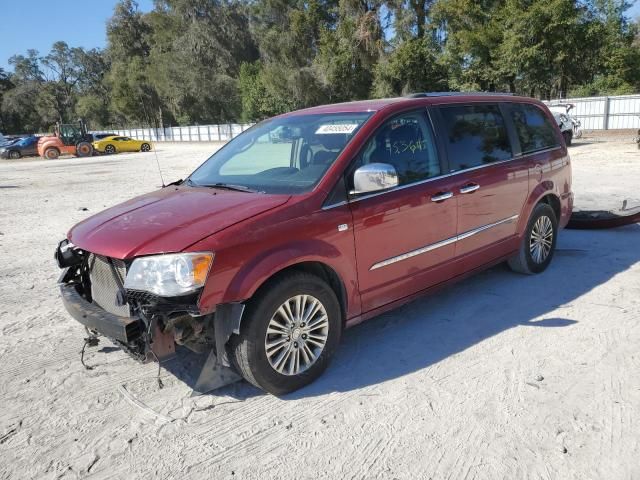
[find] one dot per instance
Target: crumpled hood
(167, 220)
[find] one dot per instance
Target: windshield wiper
(231, 186)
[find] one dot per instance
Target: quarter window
(533, 127)
(476, 135)
(406, 143)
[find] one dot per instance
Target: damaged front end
(145, 325)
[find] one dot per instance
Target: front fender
(257, 271)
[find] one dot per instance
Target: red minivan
(313, 221)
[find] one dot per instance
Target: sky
(81, 23)
(39, 23)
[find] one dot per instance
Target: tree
(349, 50)
(94, 94)
(5, 85)
(257, 102)
(412, 67)
(134, 98)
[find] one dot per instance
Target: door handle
(472, 187)
(441, 197)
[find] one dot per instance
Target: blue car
(22, 147)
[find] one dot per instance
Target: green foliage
(208, 61)
(412, 67)
(257, 101)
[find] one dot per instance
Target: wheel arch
(544, 192)
(320, 270)
(553, 201)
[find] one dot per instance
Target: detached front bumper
(124, 329)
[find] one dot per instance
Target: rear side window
(533, 127)
(476, 135)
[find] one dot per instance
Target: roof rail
(453, 94)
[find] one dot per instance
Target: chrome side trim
(334, 205)
(413, 253)
(475, 231)
(442, 243)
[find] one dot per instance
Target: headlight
(169, 275)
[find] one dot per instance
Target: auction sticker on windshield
(337, 128)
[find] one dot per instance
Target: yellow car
(121, 144)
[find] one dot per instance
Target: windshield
(283, 155)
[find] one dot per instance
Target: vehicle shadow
(435, 327)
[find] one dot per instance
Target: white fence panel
(605, 113)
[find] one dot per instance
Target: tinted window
(476, 135)
(533, 127)
(406, 142)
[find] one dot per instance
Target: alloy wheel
(296, 335)
(541, 239)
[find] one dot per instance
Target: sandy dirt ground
(501, 376)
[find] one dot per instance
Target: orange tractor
(67, 138)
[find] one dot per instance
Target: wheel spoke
(279, 326)
(319, 337)
(276, 344)
(317, 322)
(312, 310)
(288, 314)
(295, 362)
(281, 361)
(316, 342)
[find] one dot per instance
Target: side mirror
(374, 177)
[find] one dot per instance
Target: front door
(491, 185)
(404, 236)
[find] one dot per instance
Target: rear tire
(84, 149)
(14, 155)
(568, 137)
(281, 356)
(538, 243)
(51, 153)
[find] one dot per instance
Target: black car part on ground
(600, 219)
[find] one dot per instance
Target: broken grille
(107, 278)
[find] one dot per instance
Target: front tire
(538, 243)
(289, 334)
(109, 149)
(14, 155)
(84, 149)
(145, 147)
(51, 153)
(568, 137)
